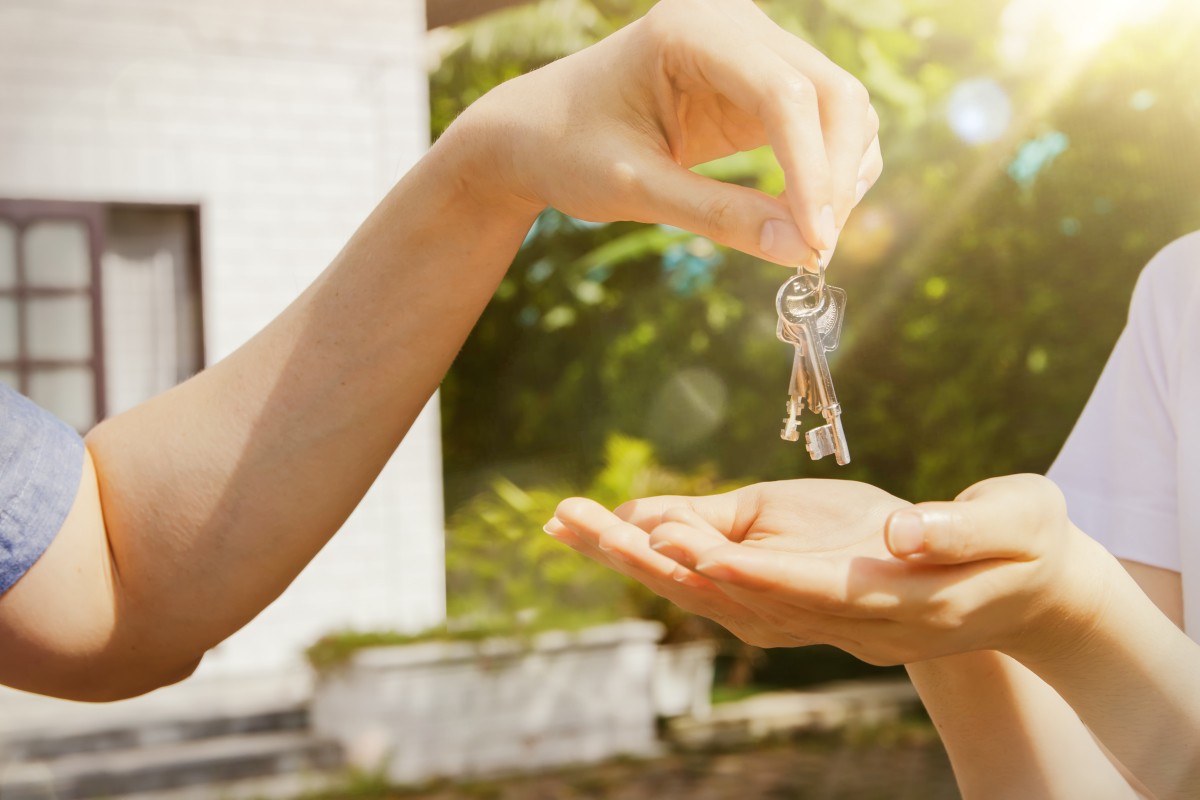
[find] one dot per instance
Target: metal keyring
(800, 270)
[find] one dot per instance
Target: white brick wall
(287, 121)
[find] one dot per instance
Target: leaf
(640, 243)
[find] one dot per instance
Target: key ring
(800, 270)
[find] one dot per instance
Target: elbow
(110, 683)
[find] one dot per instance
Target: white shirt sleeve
(1119, 468)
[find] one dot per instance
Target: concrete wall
(457, 709)
(286, 121)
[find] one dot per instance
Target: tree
(987, 282)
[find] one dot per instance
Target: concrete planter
(455, 709)
(683, 679)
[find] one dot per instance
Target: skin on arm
(1009, 735)
(199, 507)
(1001, 568)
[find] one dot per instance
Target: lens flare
(979, 111)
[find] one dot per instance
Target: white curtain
(140, 354)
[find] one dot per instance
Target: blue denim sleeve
(41, 461)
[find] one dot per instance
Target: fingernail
(781, 242)
(860, 190)
(614, 553)
(828, 230)
(906, 534)
(668, 549)
(718, 572)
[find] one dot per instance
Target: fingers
(826, 255)
(843, 102)
(723, 512)
(869, 171)
(848, 120)
(1014, 517)
(591, 529)
(854, 588)
(736, 216)
(596, 527)
(712, 51)
(685, 537)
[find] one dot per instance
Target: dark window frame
(21, 214)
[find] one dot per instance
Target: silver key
(810, 319)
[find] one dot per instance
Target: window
(99, 304)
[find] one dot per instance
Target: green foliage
(981, 309)
(501, 567)
(481, 54)
(333, 650)
(987, 285)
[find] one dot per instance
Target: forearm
(217, 493)
(1009, 735)
(1131, 675)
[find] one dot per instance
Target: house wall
(286, 121)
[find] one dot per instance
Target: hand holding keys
(810, 319)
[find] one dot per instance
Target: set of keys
(810, 319)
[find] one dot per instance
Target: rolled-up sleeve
(41, 461)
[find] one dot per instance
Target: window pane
(8, 255)
(59, 327)
(9, 376)
(57, 255)
(8, 329)
(67, 393)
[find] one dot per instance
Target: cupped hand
(610, 132)
(833, 519)
(843, 563)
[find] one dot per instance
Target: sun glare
(1081, 24)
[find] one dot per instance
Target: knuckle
(960, 543)
(626, 180)
(717, 216)
(667, 18)
(852, 89)
(794, 89)
(1052, 505)
(611, 537)
(679, 514)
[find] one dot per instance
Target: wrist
(478, 152)
(1075, 612)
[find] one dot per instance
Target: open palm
(813, 517)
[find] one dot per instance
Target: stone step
(163, 767)
(821, 708)
(43, 745)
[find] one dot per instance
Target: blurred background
(173, 174)
(1037, 154)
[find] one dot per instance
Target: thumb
(735, 216)
(1014, 517)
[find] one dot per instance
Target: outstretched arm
(198, 508)
(1002, 569)
(1010, 735)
